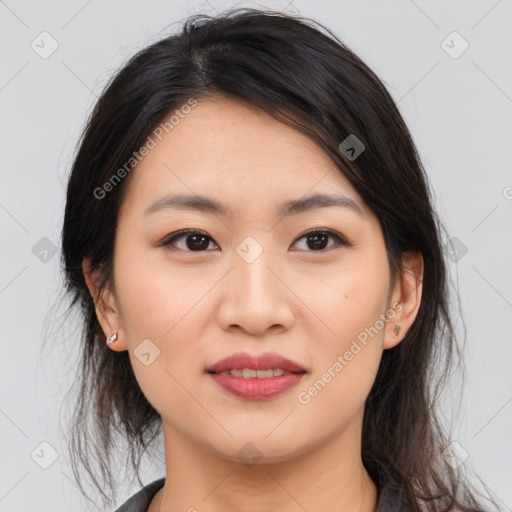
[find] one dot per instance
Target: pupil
(198, 246)
(316, 238)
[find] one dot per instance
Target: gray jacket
(140, 501)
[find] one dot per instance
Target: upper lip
(265, 361)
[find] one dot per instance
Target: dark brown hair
(300, 73)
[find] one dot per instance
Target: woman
(250, 237)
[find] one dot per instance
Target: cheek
(161, 314)
(351, 306)
(347, 361)
(155, 298)
(351, 299)
(161, 303)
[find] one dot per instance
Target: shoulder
(140, 501)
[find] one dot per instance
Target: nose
(256, 297)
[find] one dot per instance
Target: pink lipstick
(256, 377)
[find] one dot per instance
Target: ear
(405, 298)
(107, 311)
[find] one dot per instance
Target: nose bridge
(257, 282)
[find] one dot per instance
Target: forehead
(229, 130)
(234, 151)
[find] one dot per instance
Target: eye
(317, 239)
(194, 240)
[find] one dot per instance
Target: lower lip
(257, 389)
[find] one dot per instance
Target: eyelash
(182, 234)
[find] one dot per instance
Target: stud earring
(112, 339)
(397, 328)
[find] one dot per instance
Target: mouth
(256, 377)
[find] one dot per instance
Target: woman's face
(249, 280)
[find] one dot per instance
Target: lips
(245, 375)
(263, 361)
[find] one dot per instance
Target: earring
(397, 328)
(112, 339)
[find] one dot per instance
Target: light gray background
(458, 109)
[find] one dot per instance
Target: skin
(305, 303)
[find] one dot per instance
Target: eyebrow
(292, 207)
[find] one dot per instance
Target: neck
(330, 478)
